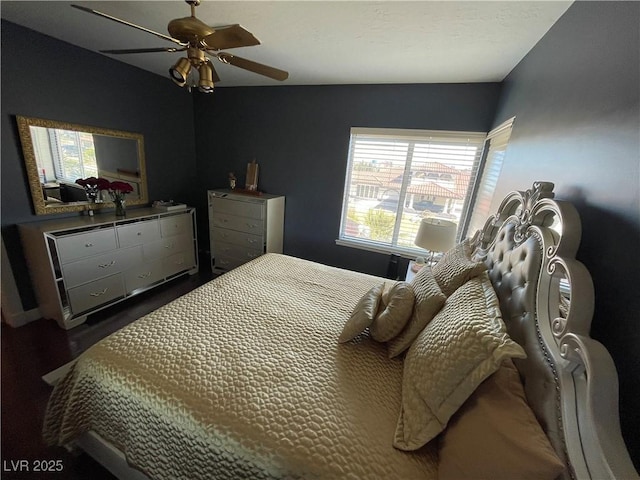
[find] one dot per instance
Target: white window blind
(396, 177)
(490, 169)
(74, 155)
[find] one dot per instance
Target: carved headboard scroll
(547, 301)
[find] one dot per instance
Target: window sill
(387, 250)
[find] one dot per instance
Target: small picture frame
(251, 183)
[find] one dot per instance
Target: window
(397, 177)
(367, 191)
(489, 172)
(74, 155)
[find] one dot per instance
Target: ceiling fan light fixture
(180, 71)
(205, 84)
(192, 35)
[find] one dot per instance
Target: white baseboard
(19, 319)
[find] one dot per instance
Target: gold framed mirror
(56, 154)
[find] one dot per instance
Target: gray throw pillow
(429, 300)
(395, 315)
(362, 315)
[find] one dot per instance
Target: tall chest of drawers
(83, 264)
(243, 227)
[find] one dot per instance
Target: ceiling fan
(198, 39)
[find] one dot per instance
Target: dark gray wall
(46, 78)
(300, 138)
(575, 98)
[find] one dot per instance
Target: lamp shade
(180, 71)
(436, 235)
(205, 84)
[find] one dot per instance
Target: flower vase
(120, 210)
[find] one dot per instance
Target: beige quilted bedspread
(244, 378)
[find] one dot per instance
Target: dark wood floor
(37, 348)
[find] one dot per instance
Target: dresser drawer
(89, 269)
(240, 224)
(167, 246)
(227, 263)
(143, 275)
(175, 225)
(138, 233)
(178, 262)
(74, 247)
(237, 238)
(223, 249)
(249, 209)
(94, 294)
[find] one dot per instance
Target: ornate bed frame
(546, 297)
(547, 302)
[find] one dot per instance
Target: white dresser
(243, 227)
(83, 264)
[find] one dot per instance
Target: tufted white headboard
(546, 297)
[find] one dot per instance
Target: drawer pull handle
(179, 262)
(251, 241)
(144, 275)
(88, 245)
(139, 233)
(251, 225)
(170, 245)
(107, 265)
(97, 294)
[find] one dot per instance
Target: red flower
(103, 184)
(93, 182)
(121, 187)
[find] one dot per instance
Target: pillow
(495, 435)
(456, 267)
(429, 299)
(464, 344)
(362, 314)
(398, 307)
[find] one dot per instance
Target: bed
(245, 377)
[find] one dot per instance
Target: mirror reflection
(57, 155)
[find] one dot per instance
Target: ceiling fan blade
(144, 50)
(230, 36)
(252, 66)
(129, 24)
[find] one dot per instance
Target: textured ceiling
(318, 42)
